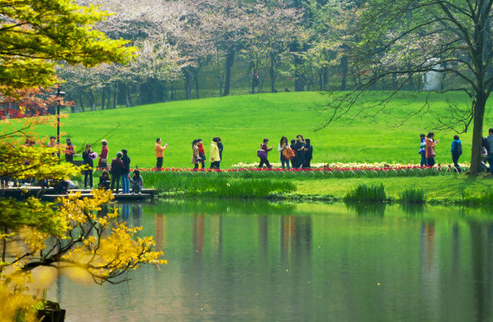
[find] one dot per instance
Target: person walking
(159, 153)
(430, 149)
(263, 153)
(200, 145)
(283, 146)
(215, 158)
(69, 151)
(489, 143)
(456, 151)
(126, 172)
(88, 157)
(308, 154)
(195, 154)
(116, 171)
(422, 149)
(221, 148)
(103, 156)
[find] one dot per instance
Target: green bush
(364, 193)
(412, 196)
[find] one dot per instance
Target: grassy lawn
(435, 188)
(243, 121)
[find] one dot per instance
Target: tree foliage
(34, 34)
(402, 40)
(70, 234)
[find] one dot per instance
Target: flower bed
(332, 169)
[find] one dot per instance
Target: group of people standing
(216, 153)
(299, 153)
(119, 170)
(198, 153)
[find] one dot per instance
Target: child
(137, 182)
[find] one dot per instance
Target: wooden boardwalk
(50, 195)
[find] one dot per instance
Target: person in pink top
(103, 156)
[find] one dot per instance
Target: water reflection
(287, 262)
(482, 260)
(368, 209)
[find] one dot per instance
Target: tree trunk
(220, 82)
(272, 73)
(197, 84)
(129, 97)
(81, 102)
(325, 78)
(477, 134)
(230, 59)
(299, 84)
(91, 100)
(254, 77)
(188, 82)
(344, 69)
(103, 97)
(115, 96)
(108, 96)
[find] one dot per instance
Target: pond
(260, 261)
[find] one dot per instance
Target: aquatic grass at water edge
(366, 193)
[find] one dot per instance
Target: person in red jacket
(103, 156)
(201, 152)
(69, 151)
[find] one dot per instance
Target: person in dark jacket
(220, 147)
(456, 152)
(299, 148)
(104, 180)
(137, 182)
(88, 157)
(126, 172)
(308, 154)
(116, 171)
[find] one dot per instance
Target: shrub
(364, 193)
(412, 196)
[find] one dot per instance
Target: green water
(258, 261)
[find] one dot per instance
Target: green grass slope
(243, 121)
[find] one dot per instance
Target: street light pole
(59, 94)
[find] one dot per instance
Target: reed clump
(366, 193)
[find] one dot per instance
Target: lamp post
(59, 94)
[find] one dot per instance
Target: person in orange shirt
(160, 153)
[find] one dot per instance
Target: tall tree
(271, 27)
(406, 37)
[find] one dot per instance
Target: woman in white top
(283, 145)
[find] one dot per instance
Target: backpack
(459, 148)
